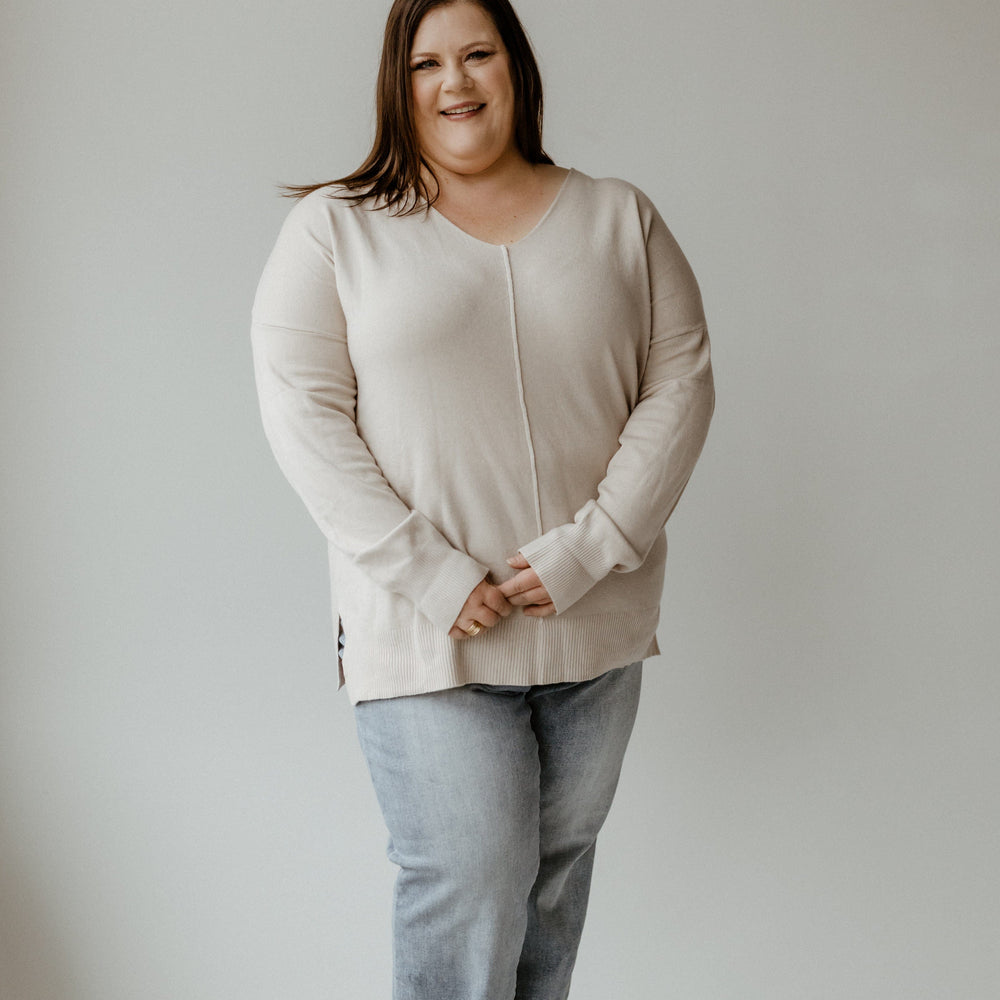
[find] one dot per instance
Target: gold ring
(475, 628)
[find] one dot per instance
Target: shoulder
(615, 202)
(330, 216)
(616, 197)
(328, 202)
(612, 190)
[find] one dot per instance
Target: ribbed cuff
(571, 558)
(456, 578)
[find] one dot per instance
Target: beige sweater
(441, 403)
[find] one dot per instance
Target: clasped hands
(487, 604)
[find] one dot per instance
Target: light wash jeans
(494, 797)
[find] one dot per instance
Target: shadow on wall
(32, 963)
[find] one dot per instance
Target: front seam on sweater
(520, 389)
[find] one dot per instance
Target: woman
(488, 378)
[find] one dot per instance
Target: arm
(307, 391)
(658, 447)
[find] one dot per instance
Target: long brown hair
(392, 173)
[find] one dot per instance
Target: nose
(455, 77)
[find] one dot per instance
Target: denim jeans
(494, 797)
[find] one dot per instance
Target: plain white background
(810, 805)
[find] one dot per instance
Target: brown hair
(392, 172)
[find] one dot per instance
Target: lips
(462, 110)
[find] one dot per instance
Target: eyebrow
(464, 48)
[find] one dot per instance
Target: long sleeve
(658, 447)
(308, 394)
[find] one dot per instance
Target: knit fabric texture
(441, 403)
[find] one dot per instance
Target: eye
(423, 64)
(479, 55)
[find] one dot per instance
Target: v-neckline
(511, 243)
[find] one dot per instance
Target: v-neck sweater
(441, 403)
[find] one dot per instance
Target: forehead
(454, 24)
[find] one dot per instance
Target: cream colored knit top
(441, 403)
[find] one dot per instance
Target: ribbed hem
(518, 651)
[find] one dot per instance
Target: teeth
(462, 110)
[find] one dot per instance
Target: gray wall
(810, 808)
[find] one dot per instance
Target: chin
(467, 165)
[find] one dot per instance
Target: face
(463, 96)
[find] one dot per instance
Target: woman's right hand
(485, 606)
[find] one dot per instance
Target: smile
(462, 110)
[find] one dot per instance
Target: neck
(506, 178)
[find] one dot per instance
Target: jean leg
(456, 774)
(583, 731)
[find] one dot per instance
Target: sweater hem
(521, 651)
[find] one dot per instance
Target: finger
(484, 615)
(518, 562)
(462, 631)
(526, 580)
(537, 595)
(540, 610)
(496, 601)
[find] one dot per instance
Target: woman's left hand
(526, 591)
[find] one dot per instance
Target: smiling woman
(464, 110)
(488, 377)
(463, 95)
(396, 168)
